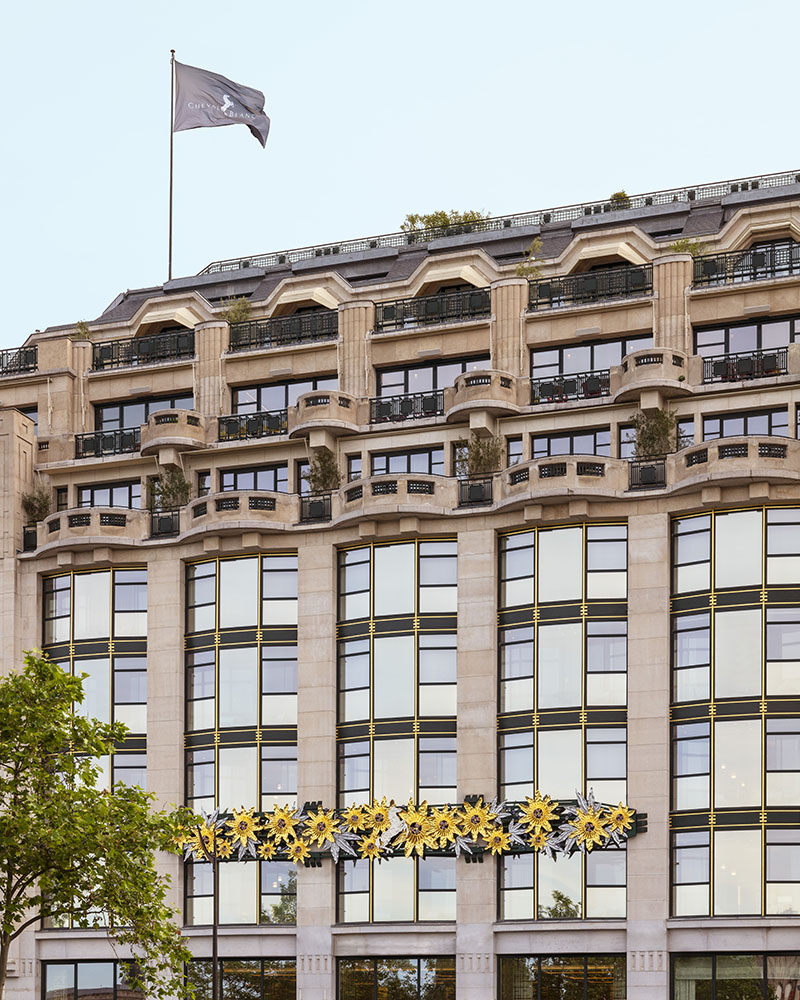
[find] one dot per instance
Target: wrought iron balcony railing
(647, 473)
(98, 443)
(315, 507)
(171, 346)
(412, 406)
(165, 523)
(768, 260)
(18, 360)
(559, 388)
(745, 365)
(575, 289)
(446, 307)
(475, 492)
(240, 426)
(305, 328)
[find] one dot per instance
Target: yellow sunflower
(589, 828)
(537, 840)
(475, 819)
(619, 818)
(498, 841)
(266, 851)
(539, 813)
(378, 816)
(281, 824)
(244, 826)
(369, 847)
(320, 827)
(353, 818)
(444, 824)
(418, 832)
(298, 851)
(202, 841)
(224, 848)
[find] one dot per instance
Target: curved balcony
(665, 370)
(731, 460)
(328, 410)
(559, 475)
(88, 527)
(183, 430)
(491, 391)
(237, 509)
(389, 495)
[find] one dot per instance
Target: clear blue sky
(377, 110)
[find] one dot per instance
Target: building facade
(589, 614)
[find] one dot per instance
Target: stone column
(356, 320)
(672, 277)
(165, 694)
(476, 884)
(509, 302)
(210, 387)
(316, 758)
(648, 753)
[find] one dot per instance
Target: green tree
(69, 850)
(438, 223)
(656, 432)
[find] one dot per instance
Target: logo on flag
(205, 100)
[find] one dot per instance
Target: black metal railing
(446, 307)
(165, 523)
(17, 360)
(745, 365)
(647, 473)
(573, 289)
(412, 406)
(768, 260)
(97, 443)
(29, 540)
(559, 388)
(143, 350)
(304, 328)
(240, 426)
(315, 507)
(475, 492)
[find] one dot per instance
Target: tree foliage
(69, 851)
(656, 433)
(528, 267)
(322, 474)
(439, 222)
(171, 489)
(620, 200)
(237, 310)
(36, 503)
(685, 245)
(479, 456)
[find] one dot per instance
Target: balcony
(315, 507)
(475, 492)
(332, 411)
(283, 331)
(19, 360)
(595, 286)
(560, 388)
(768, 260)
(745, 365)
(426, 310)
(737, 460)
(102, 443)
(233, 510)
(173, 346)
(647, 473)
(573, 475)
(491, 391)
(245, 426)
(412, 406)
(165, 523)
(183, 430)
(671, 372)
(86, 527)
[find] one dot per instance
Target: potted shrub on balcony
(36, 504)
(169, 491)
(657, 435)
(476, 461)
(322, 476)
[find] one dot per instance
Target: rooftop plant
(439, 222)
(237, 310)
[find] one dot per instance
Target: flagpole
(171, 139)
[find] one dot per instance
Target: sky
(377, 110)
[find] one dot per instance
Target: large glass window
(274, 478)
(127, 493)
(134, 412)
(427, 377)
(590, 356)
(589, 441)
(735, 729)
(738, 338)
(101, 980)
(773, 423)
(278, 395)
(562, 977)
(736, 976)
(397, 978)
(428, 461)
(245, 978)
(562, 647)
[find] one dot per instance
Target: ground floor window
(101, 980)
(736, 977)
(245, 978)
(397, 978)
(562, 977)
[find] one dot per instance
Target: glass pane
(560, 888)
(394, 769)
(238, 769)
(737, 653)
(738, 549)
(737, 872)
(96, 702)
(238, 686)
(92, 605)
(97, 979)
(562, 978)
(560, 564)
(394, 579)
(59, 981)
(559, 764)
(737, 763)
(393, 889)
(237, 893)
(560, 665)
(238, 593)
(393, 686)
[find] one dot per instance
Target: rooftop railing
(99, 443)
(305, 328)
(576, 289)
(412, 406)
(559, 388)
(446, 307)
(775, 260)
(143, 350)
(18, 360)
(745, 365)
(241, 426)
(564, 213)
